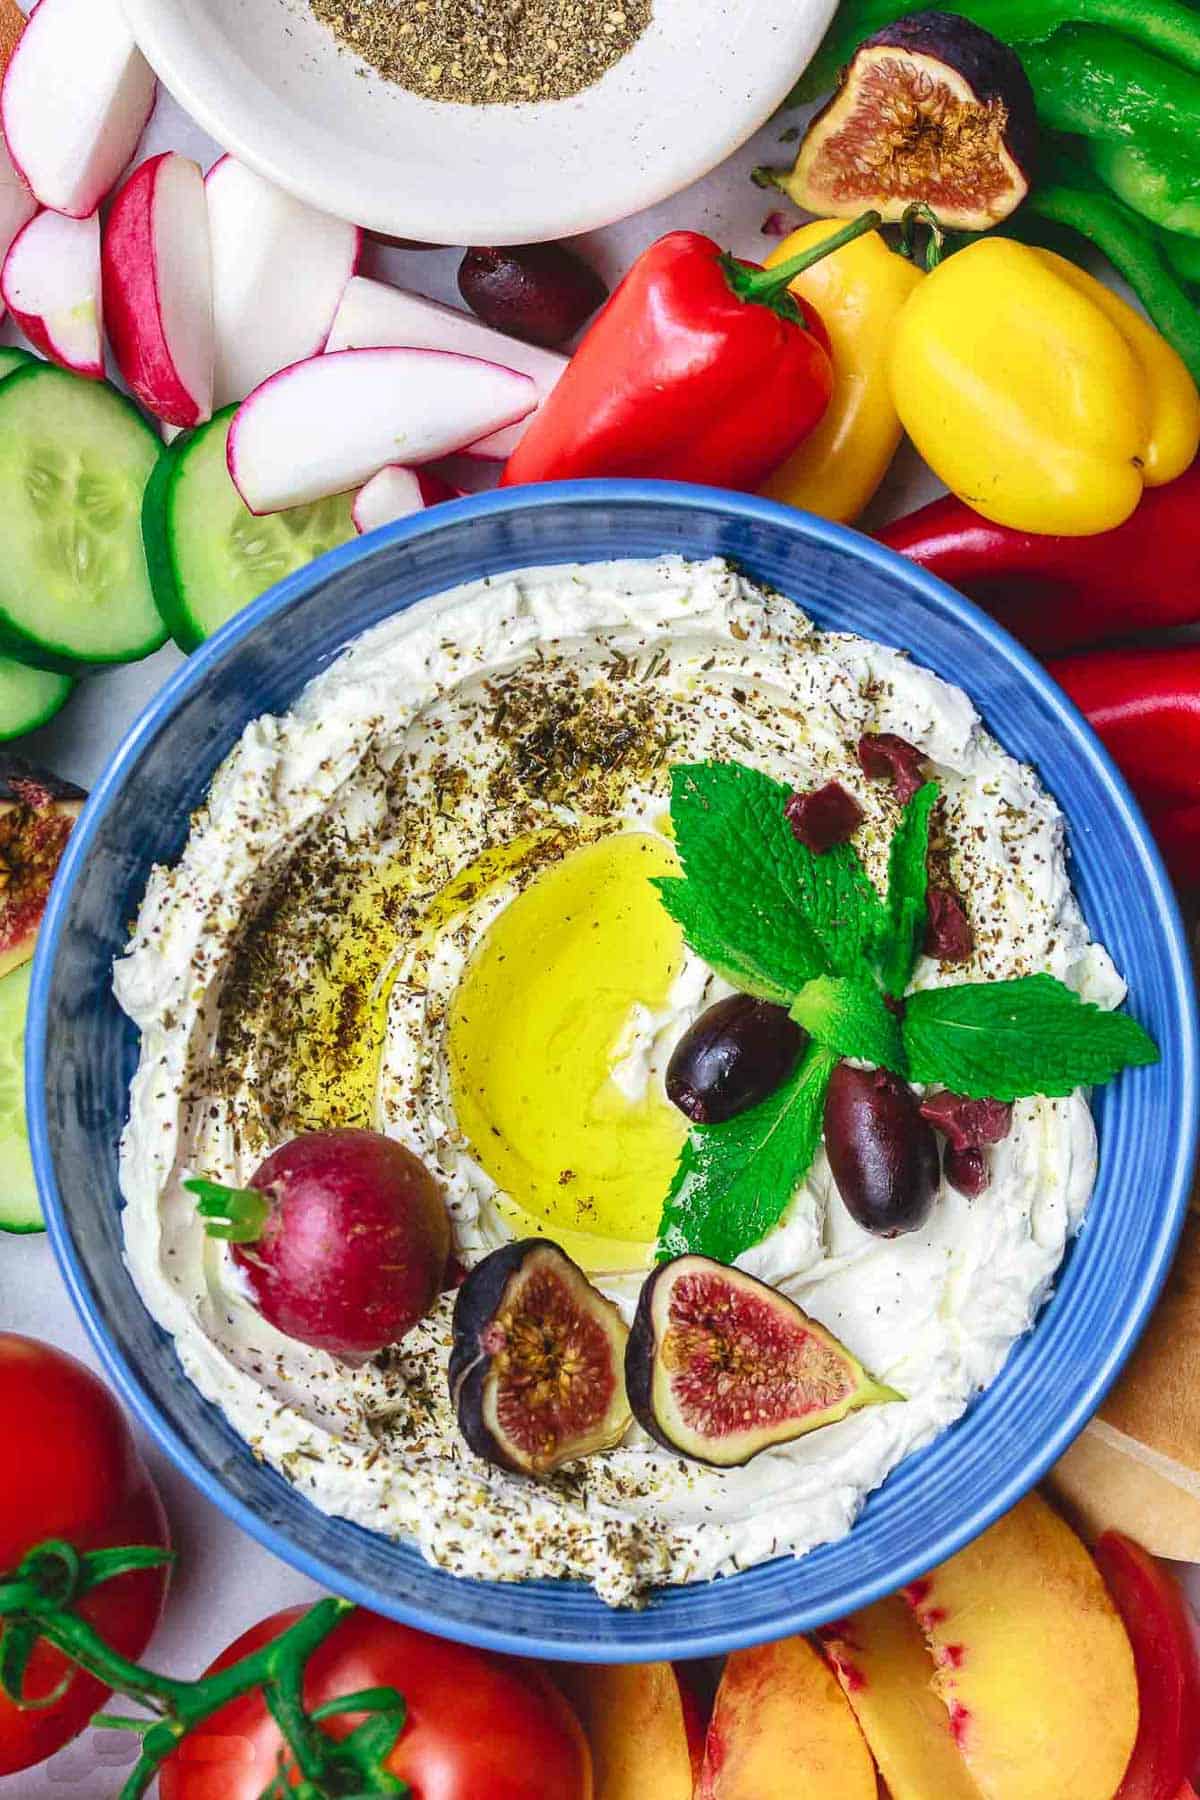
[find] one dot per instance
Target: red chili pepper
(1062, 593)
(700, 368)
(1145, 706)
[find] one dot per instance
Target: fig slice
(932, 110)
(536, 1366)
(37, 812)
(720, 1366)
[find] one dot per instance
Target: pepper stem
(235, 1214)
(769, 287)
(935, 245)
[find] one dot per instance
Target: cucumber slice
(28, 697)
(12, 359)
(75, 457)
(20, 1209)
(207, 553)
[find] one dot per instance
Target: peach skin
(1034, 1665)
(635, 1721)
(782, 1730)
(881, 1659)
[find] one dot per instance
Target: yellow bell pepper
(1174, 399)
(859, 292)
(1036, 402)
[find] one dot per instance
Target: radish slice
(158, 289)
(75, 102)
(279, 270)
(372, 315)
(396, 493)
(51, 285)
(17, 204)
(327, 424)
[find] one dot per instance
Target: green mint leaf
(735, 1181)
(749, 965)
(1002, 1040)
(908, 881)
(759, 907)
(848, 1015)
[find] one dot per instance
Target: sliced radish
(372, 315)
(17, 204)
(76, 100)
(51, 286)
(327, 424)
(279, 270)
(158, 289)
(396, 493)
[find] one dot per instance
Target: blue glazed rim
(664, 1642)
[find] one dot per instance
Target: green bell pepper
(1169, 28)
(1162, 187)
(1106, 88)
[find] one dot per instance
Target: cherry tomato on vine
(71, 1471)
(479, 1726)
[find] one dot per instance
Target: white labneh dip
(420, 750)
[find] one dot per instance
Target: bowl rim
(333, 188)
(678, 497)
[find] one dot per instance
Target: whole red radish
(343, 1237)
(1168, 1670)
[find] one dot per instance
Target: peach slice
(783, 1730)
(881, 1659)
(634, 1719)
(1034, 1665)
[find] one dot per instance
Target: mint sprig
(1001, 1040)
(908, 886)
(847, 1014)
(735, 1181)
(811, 933)
(759, 907)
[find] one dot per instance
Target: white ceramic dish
(270, 84)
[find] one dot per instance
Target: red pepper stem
(235, 1214)
(767, 286)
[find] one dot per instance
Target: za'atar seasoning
(488, 52)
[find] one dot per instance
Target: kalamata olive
(735, 1054)
(883, 1154)
(539, 292)
(967, 1169)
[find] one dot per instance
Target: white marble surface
(225, 1581)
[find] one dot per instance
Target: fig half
(536, 1367)
(37, 812)
(931, 109)
(720, 1366)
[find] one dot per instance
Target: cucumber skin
(31, 1228)
(21, 645)
(27, 1223)
(13, 360)
(157, 538)
(44, 717)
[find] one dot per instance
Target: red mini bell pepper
(1059, 593)
(700, 368)
(1145, 706)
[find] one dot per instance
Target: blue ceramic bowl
(82, 1051)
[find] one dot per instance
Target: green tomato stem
(38, 1602)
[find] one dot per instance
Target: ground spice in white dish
(488, 52)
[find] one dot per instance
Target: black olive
(734, 1055)
(883, 1154)
(539, 292)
